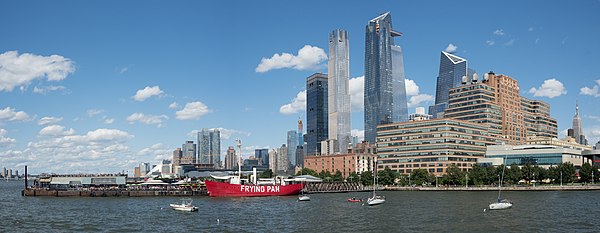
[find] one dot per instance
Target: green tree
(366, 178)
(337, 176)
(307, 171)
(454, 176)
(421, 177)
(585, 173)
(513, 174)
(539, 173)
(353, 177)
(386, 176)
(568, 171)
(479, 175)
(266, 174)
(325, 175)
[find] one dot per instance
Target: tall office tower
(209, 147)
(292, 143)
(578, 128)
(300, 133)
(538, 120)
(273, 160)
(385, 91)
(316, 113)
(177, 154)
(508, 98)
(338, 89)
(282, 159)
(452, 70)
(189, 152)
(144, 169)
(262, 155)
(4, 172)
(300, 156)
(230, 160)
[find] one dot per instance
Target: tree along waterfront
(478, 175)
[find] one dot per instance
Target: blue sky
(100, 86)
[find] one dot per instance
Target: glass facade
(385, 95)
(339, 91)
(209, 147)
(452, 70)
(316, 113)
(292, 140)
(188, 152)
(262, 155)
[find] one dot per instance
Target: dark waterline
(404, 211)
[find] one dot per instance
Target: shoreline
(507, 188)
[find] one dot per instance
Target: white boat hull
(375, 201)
(500, 205)
(304, 198)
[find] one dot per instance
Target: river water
(404, 211)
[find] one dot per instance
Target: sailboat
(375, 199)
(500, 203)
(303, 197)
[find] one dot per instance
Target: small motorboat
(354, 200)
(186, 205)
(303, 197)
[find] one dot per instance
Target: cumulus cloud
(173, 105)
(593, 91)
(490, 42)
(308, 58)
(48, 89)
(9, 114)
(499, 32)
(451, 48)
(49, 120)
(20, 70)
(147, 92)
(357, 93)
(412, 93)
(109, 121)
(56, 130)
(297, 105)
(550, 88)
(157, 151)
(147, 119)
(4, 140)
(192, 111)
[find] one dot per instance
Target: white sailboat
(303, 196)
(375, 199)
(500, 203)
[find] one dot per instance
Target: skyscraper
(452, 70)
(188, 153)
(385, 92)
(177, 154)
(230, 160)
(316, 113)
(209, 147)
(577, 128)
(292, 143)
(338, 89)
(263, 156)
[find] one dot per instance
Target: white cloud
(297, 105)
(192, 111)
(158, 152)
(94, 112)
(147, 92)
(490, 42)
(499, 32)
(414, 101)
(308, 58)
(173, 105)
(510, 42)
(451, 48)
(357, 93)
(149, 119)
(358, 133)
(530, 29)
(20, 70)
(123, 70)
(56, 130)
(550, 88)
(47, 89)
(594, 91)
(109, 121)
(9, 114)
(49, 120)
(4, 140)
(411, 87)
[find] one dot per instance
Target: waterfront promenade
(494, 188)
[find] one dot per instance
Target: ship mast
(239, 144)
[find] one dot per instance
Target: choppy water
(549, 211)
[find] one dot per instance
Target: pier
(33, 192)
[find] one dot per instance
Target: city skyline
(102, 87)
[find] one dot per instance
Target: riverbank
(495, 188)
(110, 193)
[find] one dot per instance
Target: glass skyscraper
(209, 147)
(292, 143)
(452, 70)
(316, 113)
(385, 92)
(339, 91)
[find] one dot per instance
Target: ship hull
(222, 189)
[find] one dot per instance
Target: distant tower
(230, 160)
(452, 73)
(292, 140)
(300, 134)
(209, 147)
(188, 152)
(385, 90)
(316, 113)
(339, 89)
(578, 128)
